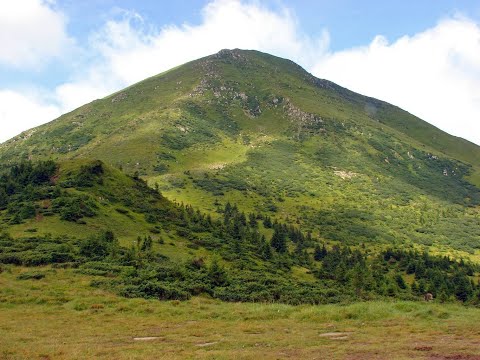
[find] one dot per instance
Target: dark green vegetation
(30, 190)
(245, 262)
(249, 180)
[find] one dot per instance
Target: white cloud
(93, 83)
(434, 74)
(134, 51)
(31, 32)
(19, 112)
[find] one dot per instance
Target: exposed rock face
(209, 71)
(225, 91)
(119, 97)
(298, 115)
(303, 121)
(227, 54)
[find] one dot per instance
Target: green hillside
(260, 132)
(90, 217)
(68, 253)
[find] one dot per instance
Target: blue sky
(421, 55)
(350, 22)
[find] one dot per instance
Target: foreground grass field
(61, 317)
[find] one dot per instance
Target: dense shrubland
(31, 190)
(341, 274)
(249, 257)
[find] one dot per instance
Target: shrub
(34, 275)
(74, 207)
(99, 247)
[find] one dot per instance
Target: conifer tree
(267, 222)
(252, 220)
(319, 253)
(266, 250)
(217, 274)
(463, 287)
(279, 241)
(147, 243)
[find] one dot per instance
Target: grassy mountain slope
(263, 133)
(79, 199)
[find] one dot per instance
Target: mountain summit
(262, 132)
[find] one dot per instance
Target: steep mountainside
(261, 132)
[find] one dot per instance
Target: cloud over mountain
(434, 74)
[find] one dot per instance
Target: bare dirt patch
(454, 357)
(217, 166)
(345, 175)
(336, 335)
(207, 344)
(146, 338)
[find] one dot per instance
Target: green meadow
(62, 317)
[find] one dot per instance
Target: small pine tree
(217, 274)
(421, 286)
(415, 288)
(3, 199)
(252, 221)
(267, 222)
(279, 241)
(463, 287)
(400, 281)
(391, 290)
(442, 296)
(309, 236)
(16, 219)
(147, 243)
(357, 277)
(319, 253)
(266, 250)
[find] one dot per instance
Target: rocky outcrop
(119, 97)
(304, 122)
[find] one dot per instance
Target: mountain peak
(230, 54)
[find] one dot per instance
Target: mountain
(239, 177)
(263, 133)
(225, 90)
